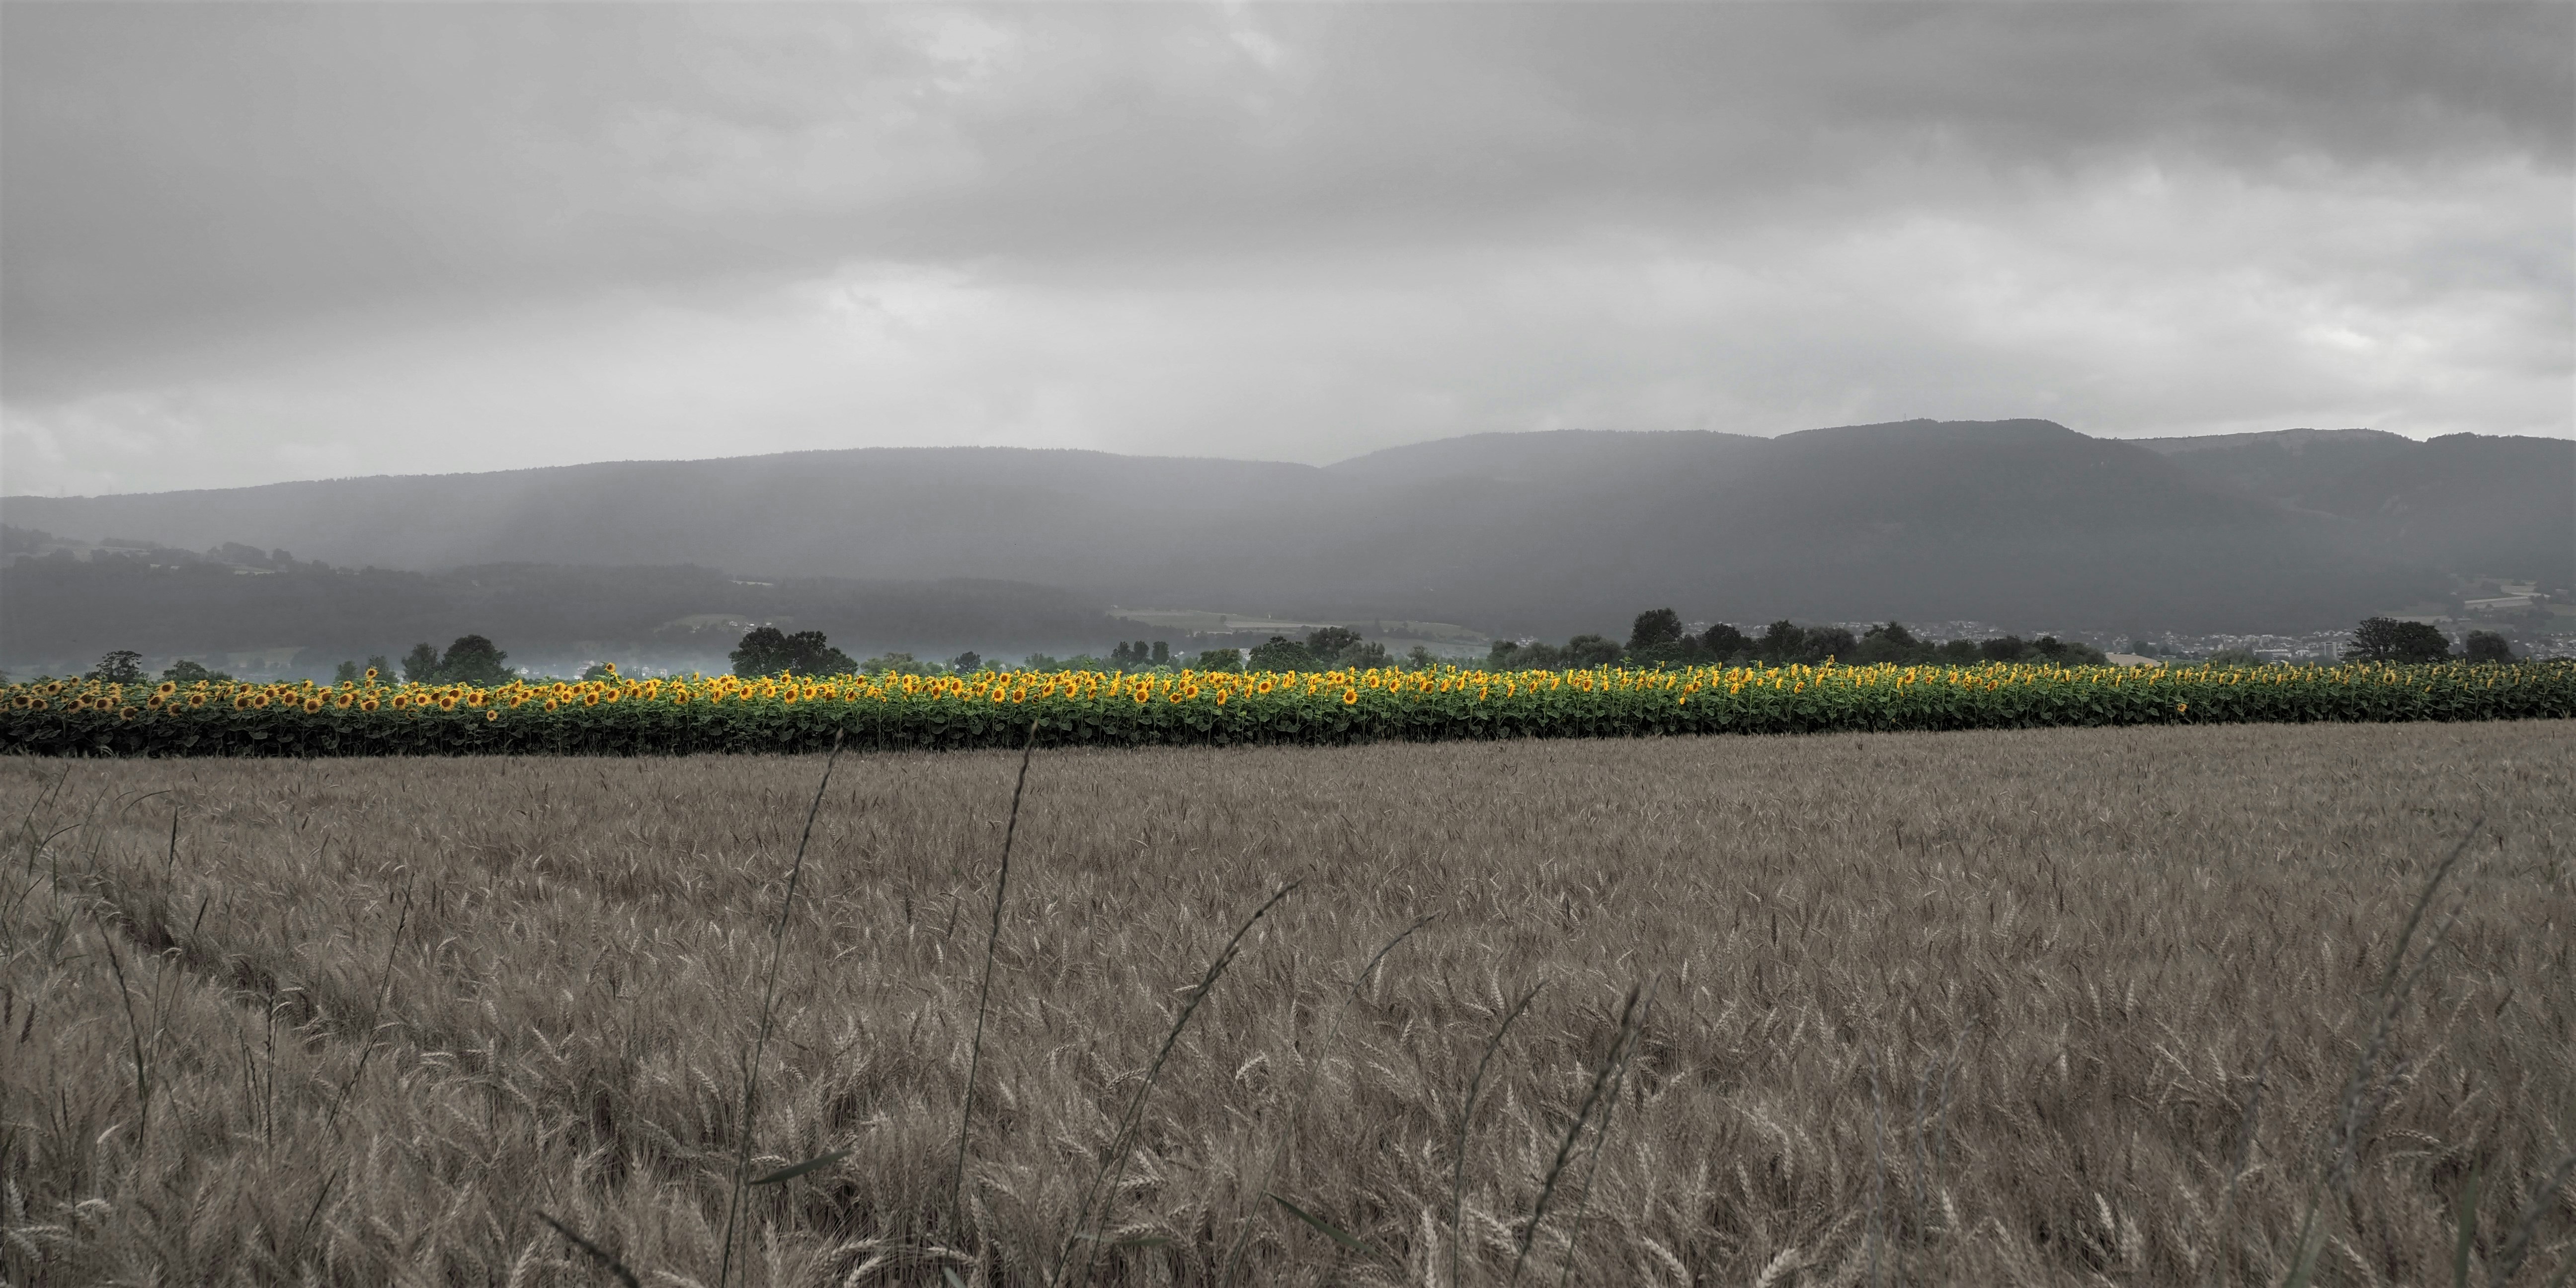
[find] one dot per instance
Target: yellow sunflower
(368, 704)
(312, 706)
(167, 688)
(1350, 697)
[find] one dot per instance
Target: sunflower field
(619, 716)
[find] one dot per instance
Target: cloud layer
(240, 244)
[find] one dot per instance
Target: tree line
(1657, 638)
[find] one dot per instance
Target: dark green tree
(1040, 662)
(184, 671)
(420, 665)
(1888, 642)
(1503, 655)
(1833, 642)
(2003, 648)
(1282, 654)
(1162, 653)
(1722, 641)
(346, 673)
(765, 650)
(970, 660)
(1654, 627)
(2487, 646)
(599, 671)
(381, 667)
(1220, 659)
(1591, 650)
(124, 666)
(473, 660)
(1330, 644)
(1538, 656)
(2383, 639)
(1781, 643)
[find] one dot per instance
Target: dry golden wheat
(2064, 953)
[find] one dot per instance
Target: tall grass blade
(794, 1170)
(1592, 1172)
(1466, 1116)
(1610, 1059)
(367, 1036)
(2395, 982)
(133, 1030)
(2465, 1217)
(1124, 1141)
(768, 1001)
(984, 991)
(2517, 1245)
(1328, 1229)
(1306, 1089)
(595, 1252)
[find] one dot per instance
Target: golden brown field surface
(2048, 1006)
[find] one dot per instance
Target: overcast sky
(240, 244)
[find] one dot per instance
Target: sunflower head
(550, 704)
(125, 713)
(241, 702)
(312, 706)
(367, 704)
(371, 673)
(167, 688)
(1350, 697)
(447, 702)
(491, 715)
(196, 699)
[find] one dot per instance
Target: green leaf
(1327, 1228)
(786, 1174)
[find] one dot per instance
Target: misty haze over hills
(2019, 522)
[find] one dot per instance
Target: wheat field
(2038, 1007)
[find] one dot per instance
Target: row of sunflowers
(619, 716)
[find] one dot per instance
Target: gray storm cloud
(242, 243)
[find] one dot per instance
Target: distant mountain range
(2020, 522)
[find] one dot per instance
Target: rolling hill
(2021, 522)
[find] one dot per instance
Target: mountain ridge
(2009, 520)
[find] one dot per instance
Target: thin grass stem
(768, 1001)
(984, 990)
(1122, 1143)
(1466, 1116)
